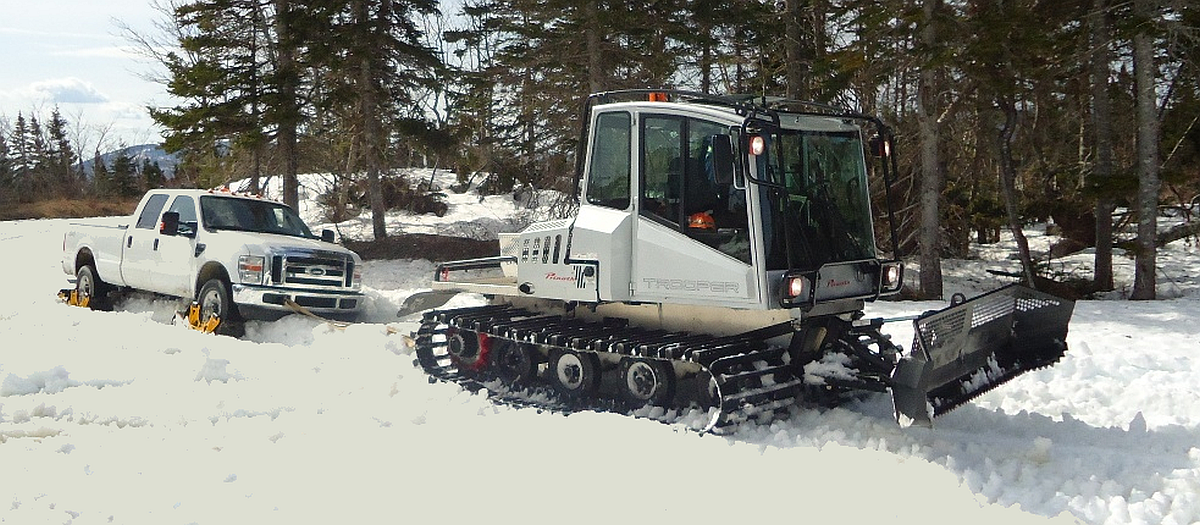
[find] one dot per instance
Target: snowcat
(721, 254)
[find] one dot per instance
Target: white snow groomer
(720, 256)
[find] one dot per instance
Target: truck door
(692, 242)
(139, 244)
(176, 254)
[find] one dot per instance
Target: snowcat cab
(721, 254)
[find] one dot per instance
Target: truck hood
(262, 243)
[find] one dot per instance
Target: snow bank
(121, 417)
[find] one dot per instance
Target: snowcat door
(691, 230)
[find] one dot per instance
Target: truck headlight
(250, 268)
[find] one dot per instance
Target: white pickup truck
(239, 257)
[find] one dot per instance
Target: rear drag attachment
(973, 346)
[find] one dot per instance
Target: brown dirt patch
(67, 208)
(435, 248)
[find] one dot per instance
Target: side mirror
(170, 223)
(723, 168)
(327, 236)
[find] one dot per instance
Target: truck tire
(88, 285)
(215, 298)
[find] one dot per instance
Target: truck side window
(608, 177)
(148, 220)
(186, 208)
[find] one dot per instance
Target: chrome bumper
(267, 303)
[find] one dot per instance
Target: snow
(121, 417)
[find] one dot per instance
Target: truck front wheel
(89, 287)
(214, 300)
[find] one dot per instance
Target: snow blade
(423, 301)
(973, 346)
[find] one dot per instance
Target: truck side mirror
(327, 236)
(170, 223)
(722, 149)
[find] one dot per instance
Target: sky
(72, 54)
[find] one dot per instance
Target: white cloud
(117, 52)
(69, 90)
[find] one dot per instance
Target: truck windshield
(821, 210)
(230, 213)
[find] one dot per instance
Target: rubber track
(751, 378)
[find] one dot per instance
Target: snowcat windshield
(225, 213)
(822, 212)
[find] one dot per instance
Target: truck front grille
(312, 269)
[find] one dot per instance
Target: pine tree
(152, 175)
(102, 181)
(6, 171)
(372, 59)
(124, 179)
(61, 159)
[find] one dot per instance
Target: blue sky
(72, 54)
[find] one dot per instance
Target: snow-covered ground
(120, 417)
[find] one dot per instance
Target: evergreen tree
(372, 59)
(102, 181)
(123, 179)
(25, 159)
(152, 175)
(228, 76)
(61, 159)
(6, 171)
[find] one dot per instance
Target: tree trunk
(1147, 151)
(372, 133)
(592, 27)
(289, 104)
(798, 58)
(929, 238)
(1008, 178)
(1102, 171)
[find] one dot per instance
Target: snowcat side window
(681, 187)
(715, 208)
(609, 173)
(664, 162)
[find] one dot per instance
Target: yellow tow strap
(71, 297)
(193, 319)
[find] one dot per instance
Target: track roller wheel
(469, 350)
(575, 373)
(647, 381)
(515, 363)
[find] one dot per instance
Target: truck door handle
(155, 244)
(129, 242)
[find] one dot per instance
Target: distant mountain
(139, 153)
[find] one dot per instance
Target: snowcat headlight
(758, 145)
(796, 290)
(250, 268)
(891, 278)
